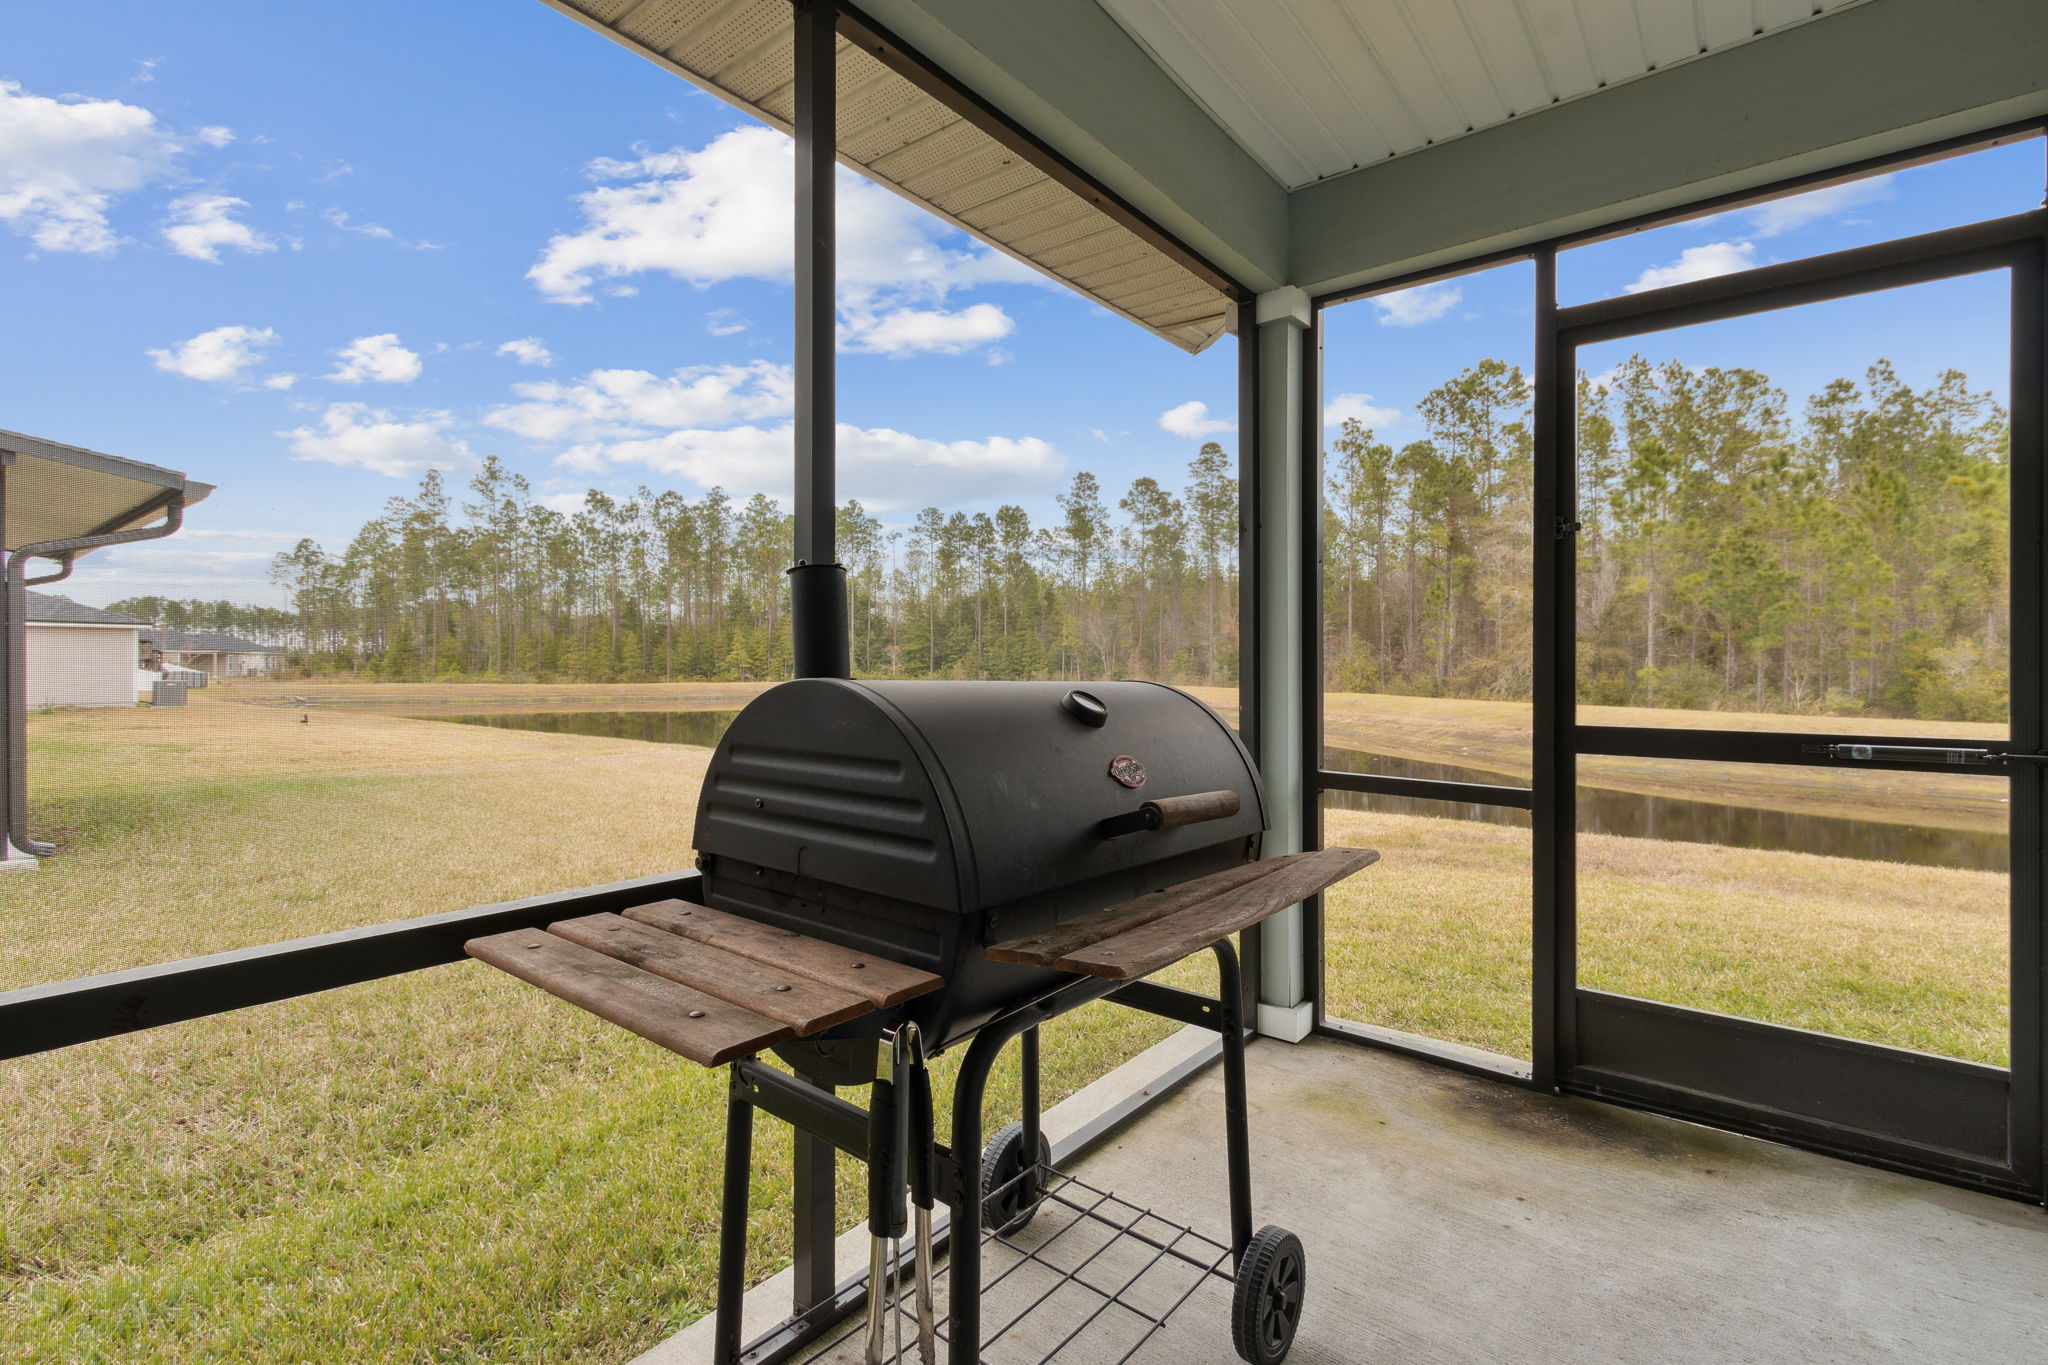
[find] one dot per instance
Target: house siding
(81, 665)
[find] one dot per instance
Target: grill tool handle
(923, 1180)
(886, 1215)
(1172, 812)
(888, 1118)
(921, 1136)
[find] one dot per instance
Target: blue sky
(304, 252)
(1397, 349)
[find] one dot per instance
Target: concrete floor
(1451, 1219)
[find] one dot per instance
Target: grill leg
(1236, 1120)
(1030, 1100)
(732, 1229)
(816, 1273)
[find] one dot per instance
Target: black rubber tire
(1266, 1307)
(1008, 1203)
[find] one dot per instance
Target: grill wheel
(1266, 1307)
(1010, 1195)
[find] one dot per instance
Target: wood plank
(805, 1005)
(1167, 940)
(1042, 950)
(875, 979)
(701, 1027)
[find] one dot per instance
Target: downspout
(14, 645)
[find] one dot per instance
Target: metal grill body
(922, 821)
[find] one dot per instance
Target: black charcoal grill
(924, 821)
(894, 869)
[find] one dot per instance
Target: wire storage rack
(1080, 1274)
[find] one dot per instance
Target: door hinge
(1562, 529)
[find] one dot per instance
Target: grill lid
(966, 796)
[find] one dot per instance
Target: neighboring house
(79, 655)
(212, 652)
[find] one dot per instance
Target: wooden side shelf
(1139, 937)
(702, 983)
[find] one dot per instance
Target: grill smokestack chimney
(817, 581)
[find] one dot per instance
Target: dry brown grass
(1436, 939)
(224, 825)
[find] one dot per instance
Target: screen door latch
(1912, 753)
(1927, 753)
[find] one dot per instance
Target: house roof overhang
(908, 124)
(62, 492)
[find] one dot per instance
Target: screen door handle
(1918, 753)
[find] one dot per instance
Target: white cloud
(357, 435)
(220, 356)
(200, 225)
(623, 404)
(1360, 408)
(379, 358)
(887, 470)
(1423, 303)
(340, 218)
(197, 562)
(1192, 420)
(723, 322)
(63, 163)
(528, 351)
(279, 381)
(215, 135)
(145, 70)
(907, 331)
(1784, 215)
(1697, 263)
(724, 212)
(334, 217)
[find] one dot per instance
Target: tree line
(264, 625)
(1733, 553)
(659, 587)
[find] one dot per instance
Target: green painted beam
(1879, 78)
(1067, 72)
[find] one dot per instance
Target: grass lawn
(446, 1166)
(450, 1166)
(1914, 957)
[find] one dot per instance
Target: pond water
(701, 728)
(1601, 810)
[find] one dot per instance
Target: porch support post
(1278, 578)
(12, 633)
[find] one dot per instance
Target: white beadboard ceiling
(902, 137)
(1315, 88)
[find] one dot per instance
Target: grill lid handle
(1172, 812)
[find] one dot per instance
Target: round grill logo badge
(1127, 770)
